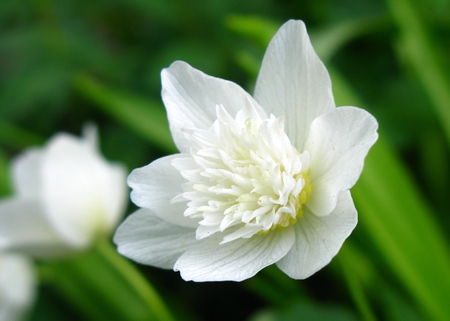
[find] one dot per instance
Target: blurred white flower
(66, 194)
(259, 180)
(17, 286)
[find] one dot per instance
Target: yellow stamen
(303, 198)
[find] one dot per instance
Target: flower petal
(155, 185)
(24, 228)
(318, 239)
(337, 143)
(84, 195)
(294, 82)
(191, 97)
(17, 286)
(234, 261)
(147, 239)
(26, 173)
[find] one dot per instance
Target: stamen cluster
(245, 177)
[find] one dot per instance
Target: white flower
(259, 180)
(17, 286)
(66, 195)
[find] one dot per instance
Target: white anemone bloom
(17, 286)
(259, 180)
(66, 194)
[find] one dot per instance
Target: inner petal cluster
(244, 177)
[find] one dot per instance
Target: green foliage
(103, 285)
(4, 175)
(68, 62)
(145, 117)
(306, 311)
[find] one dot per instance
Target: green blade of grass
(255, 28)
(143, 116)
(330, 39)
(105, 286)
(369, 289)
(353, 265)
(423, 54)
(395, 216)
(5, 184)
(15, 137)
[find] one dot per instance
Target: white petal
(84, 195)
(318, 239)
(145, 238)
(338, 142)
(234, 261)
(24, 228)
(155, 185)
(293, 81)
(27, 174)
(90, 136)
(113, 193)
(191, 97)
(17, 286)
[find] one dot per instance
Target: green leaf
(369, 289)
(248, 63)
(434, 161)
(306, 311)
(5, 185)
(15, 137)
(147, 118)
(395, 216)
(328, 40)
(105, 286)
(422, 52)
(256, 28)
(352, 263)
(275, 287)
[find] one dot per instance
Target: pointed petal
(147, 239)
(318, 239)
(234, 261)
(338, 142)
(27, 173)
(155, 185)
(191, 97)
(293, 82)
(84, 195)
(90, 136)
(24, 228)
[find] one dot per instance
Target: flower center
(245, 177)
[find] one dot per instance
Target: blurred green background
(63, 63)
